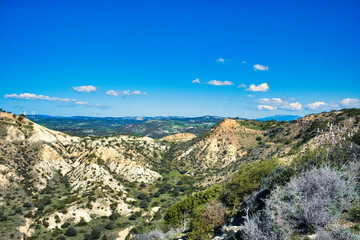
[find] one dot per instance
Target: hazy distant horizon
(158, 116)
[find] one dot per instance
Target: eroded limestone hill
(227, 142)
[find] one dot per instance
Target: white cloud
(350, 102)
(267, 107)
(242, 86)
(88, 88)
(112, 93)
(196, 81)
(279, 104)
(220, 83)
(259, 88)
(124, 93)
(138, 93)
(220, 60)
(293, 106)
(271, 101)
(250, 95)
(316, 105)
(81, 103)
(32, 96)
(243, 62)
(258, 67)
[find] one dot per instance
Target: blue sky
(192, 58)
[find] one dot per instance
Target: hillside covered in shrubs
(242, 179)
(315, 196)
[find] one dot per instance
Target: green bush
(109, 226)
(113, 216)
(18, 210)
(144, 204)
(356, 227)
(28, 214)
(207, 220)
(27, 205)
(82, 222)
(175, 214)
(3, 218)
(70, 232)
(246, 181)
(65, 225)
(355, 213)
(95, 233)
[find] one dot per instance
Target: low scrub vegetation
(310, 203)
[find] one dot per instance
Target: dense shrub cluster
(175, 214)
(207, 220)
(206, 210)
(336, 234)
(154, 235)
(309, 203)
(246, 181)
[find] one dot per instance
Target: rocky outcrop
(227, 142)
(179, 137)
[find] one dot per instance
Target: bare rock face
(179, 137)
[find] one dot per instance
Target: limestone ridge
(179, 137)
(227, 142)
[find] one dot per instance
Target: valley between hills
(240, 179)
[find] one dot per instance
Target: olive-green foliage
(356, 138)
(246, 180)
(311, 131)
(207, 220)
(70, 232)
(95, 233)
(351, 111)
(355, 213)
(199, 229)
(279, 177)
(175, 214)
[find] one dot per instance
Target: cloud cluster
(220, 83)
(32, 96)
(317, 106)
(87, 89)
(258, 67)
(266, 107)
(124, 93)
(259, 88)
(272, 104)
(350, 103)
(220, 60)
(345, 103)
